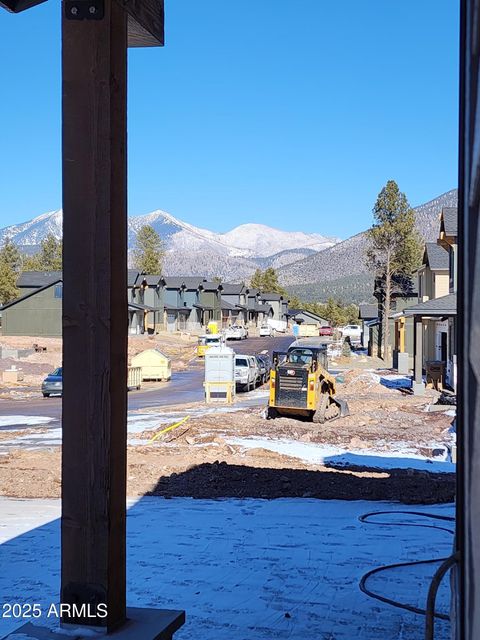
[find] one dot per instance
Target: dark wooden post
(94, 63)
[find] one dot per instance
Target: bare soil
(196, 459)
(35, 367)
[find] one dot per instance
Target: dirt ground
(198, 458)
(181, 350)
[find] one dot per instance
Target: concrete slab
(147, 624)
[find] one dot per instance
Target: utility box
(155, 365)
(220, 374)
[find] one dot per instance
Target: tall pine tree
(10, 263)
(149, 252)
(394, 250)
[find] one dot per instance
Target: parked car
(265, 364)
(53, 384)
(266, 331)
(246, 372)
(236, 332)
(352, 331)
(325, 331)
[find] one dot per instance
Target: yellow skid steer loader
(300, 384)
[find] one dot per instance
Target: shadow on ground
(221, 480)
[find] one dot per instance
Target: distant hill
(356, 289)
(338, 268)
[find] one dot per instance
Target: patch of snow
(398, 458)
(283, 569)
(11, 421)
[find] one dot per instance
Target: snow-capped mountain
(192, 250)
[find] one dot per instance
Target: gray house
(301, 316)
(234, 304)
(150, 291)
(38, 312)
(278, 303)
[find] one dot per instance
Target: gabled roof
(183, 282)
(149, 279)
(31, 279)
(133, 306)
(211, 286)
(265, 308)
(30, 294)
(252, 293)
(271, 296)
(368, 311)
(233, 289)
(227, 306)
(292, 313)
(132, 275)
(444, 306)
(436, 257)
(448, 221)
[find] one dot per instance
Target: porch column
(418, 385)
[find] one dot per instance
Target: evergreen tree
(149, 252)
(394, 251)
(10, 262)
(257, 281)
(49, 258)
(267, 281)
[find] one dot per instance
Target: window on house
(58, 291)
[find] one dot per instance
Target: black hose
(429, 612)
(446, 565)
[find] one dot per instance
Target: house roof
(31, 279)
(292, 313)
(266, 308)
(30, 294)
(252, 293)
(149, 279)
(227, 306)
(436, 257)
(211, 286)
(133, 306)
(132, 275)
(183, 282)
(271, 296)
(233, 289)
(368, 311)
(444, 306)
(449, 219)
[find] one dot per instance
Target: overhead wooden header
(145, 18)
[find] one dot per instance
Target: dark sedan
(52, 385)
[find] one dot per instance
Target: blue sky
(292, 114)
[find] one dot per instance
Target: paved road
(184, 387)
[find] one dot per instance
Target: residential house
(367, 314)
(234, 304)
(178, 305)
(29, 281)
(38, 312)
(301, 316)
(404, 294)
(150, 291)
(279, 305)
(138, 311)
(210, 302)
(435, 313)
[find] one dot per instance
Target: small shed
(155, 365)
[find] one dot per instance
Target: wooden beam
(145, 22)
(94, 61)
